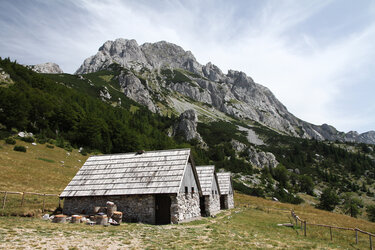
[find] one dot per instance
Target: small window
(186, 190)
(192, 190)
(212, 192)
(215, 192)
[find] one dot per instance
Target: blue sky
(317, 57)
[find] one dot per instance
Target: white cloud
(269, 40)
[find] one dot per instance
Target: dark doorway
(162, 209)
(223, 199)
(203, 205)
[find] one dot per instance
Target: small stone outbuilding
(226, 190)
(210, 199)
(155, 187)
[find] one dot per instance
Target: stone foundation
(135, 208)
(184, 207)
(212, 204)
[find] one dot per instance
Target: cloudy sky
(317, 57)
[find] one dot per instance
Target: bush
(28, 139)
(10, 141)
(41, 140)
(49, 146)
(248, 190)
(19, 148)
(371, 212)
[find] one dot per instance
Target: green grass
(46, 160)
(249, 226)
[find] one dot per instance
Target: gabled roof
(152, 172)
(206, 175)
(225, 182)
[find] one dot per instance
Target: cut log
(117, 216)
(111, 208)
(101, 219)
(60, 218)
(76, 219)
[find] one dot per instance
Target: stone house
(155, 187)
(226, 190)
(210, 199)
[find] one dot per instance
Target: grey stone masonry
(212, 204)
(184, 207)
(135, 208)
(230, 201)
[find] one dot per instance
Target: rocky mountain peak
(129, 54)
(213, 73)
(48, 68)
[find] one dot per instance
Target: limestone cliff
(163, 72)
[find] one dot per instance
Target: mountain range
(164, 77)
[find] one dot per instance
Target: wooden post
(301, 225)
(5, 198)
(44, 198)
(304, 222)
(356, 236)
(23, 199)
(370, 242)
(296, 221)
(330, 232)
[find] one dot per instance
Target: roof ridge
(163, 150)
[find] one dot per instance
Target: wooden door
(203, 205)
(162, 209)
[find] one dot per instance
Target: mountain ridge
(234, 93)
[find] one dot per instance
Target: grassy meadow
(251, 225)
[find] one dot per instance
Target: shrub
(10, 141)
(28, 139)
(371, 212)
(41, 140)
(49, 146)
(19, 148)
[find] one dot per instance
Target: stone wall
(135, 208)
(212, 204)
(230, 201)
(184, 207)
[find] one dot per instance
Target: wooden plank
(132, 165)
(131, 170)
(124, 186)
(141, 159)
(128, 179)
(129, 175)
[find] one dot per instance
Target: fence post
(301, 225)
(370, 242)
(356, 235)
(23, 199)
(304, 222)
(44, 197)
(330, 232)
(4, 199)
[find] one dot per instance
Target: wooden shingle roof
(224, 181)
(152, 172)
(206, 174)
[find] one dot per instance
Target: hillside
(91, 111)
